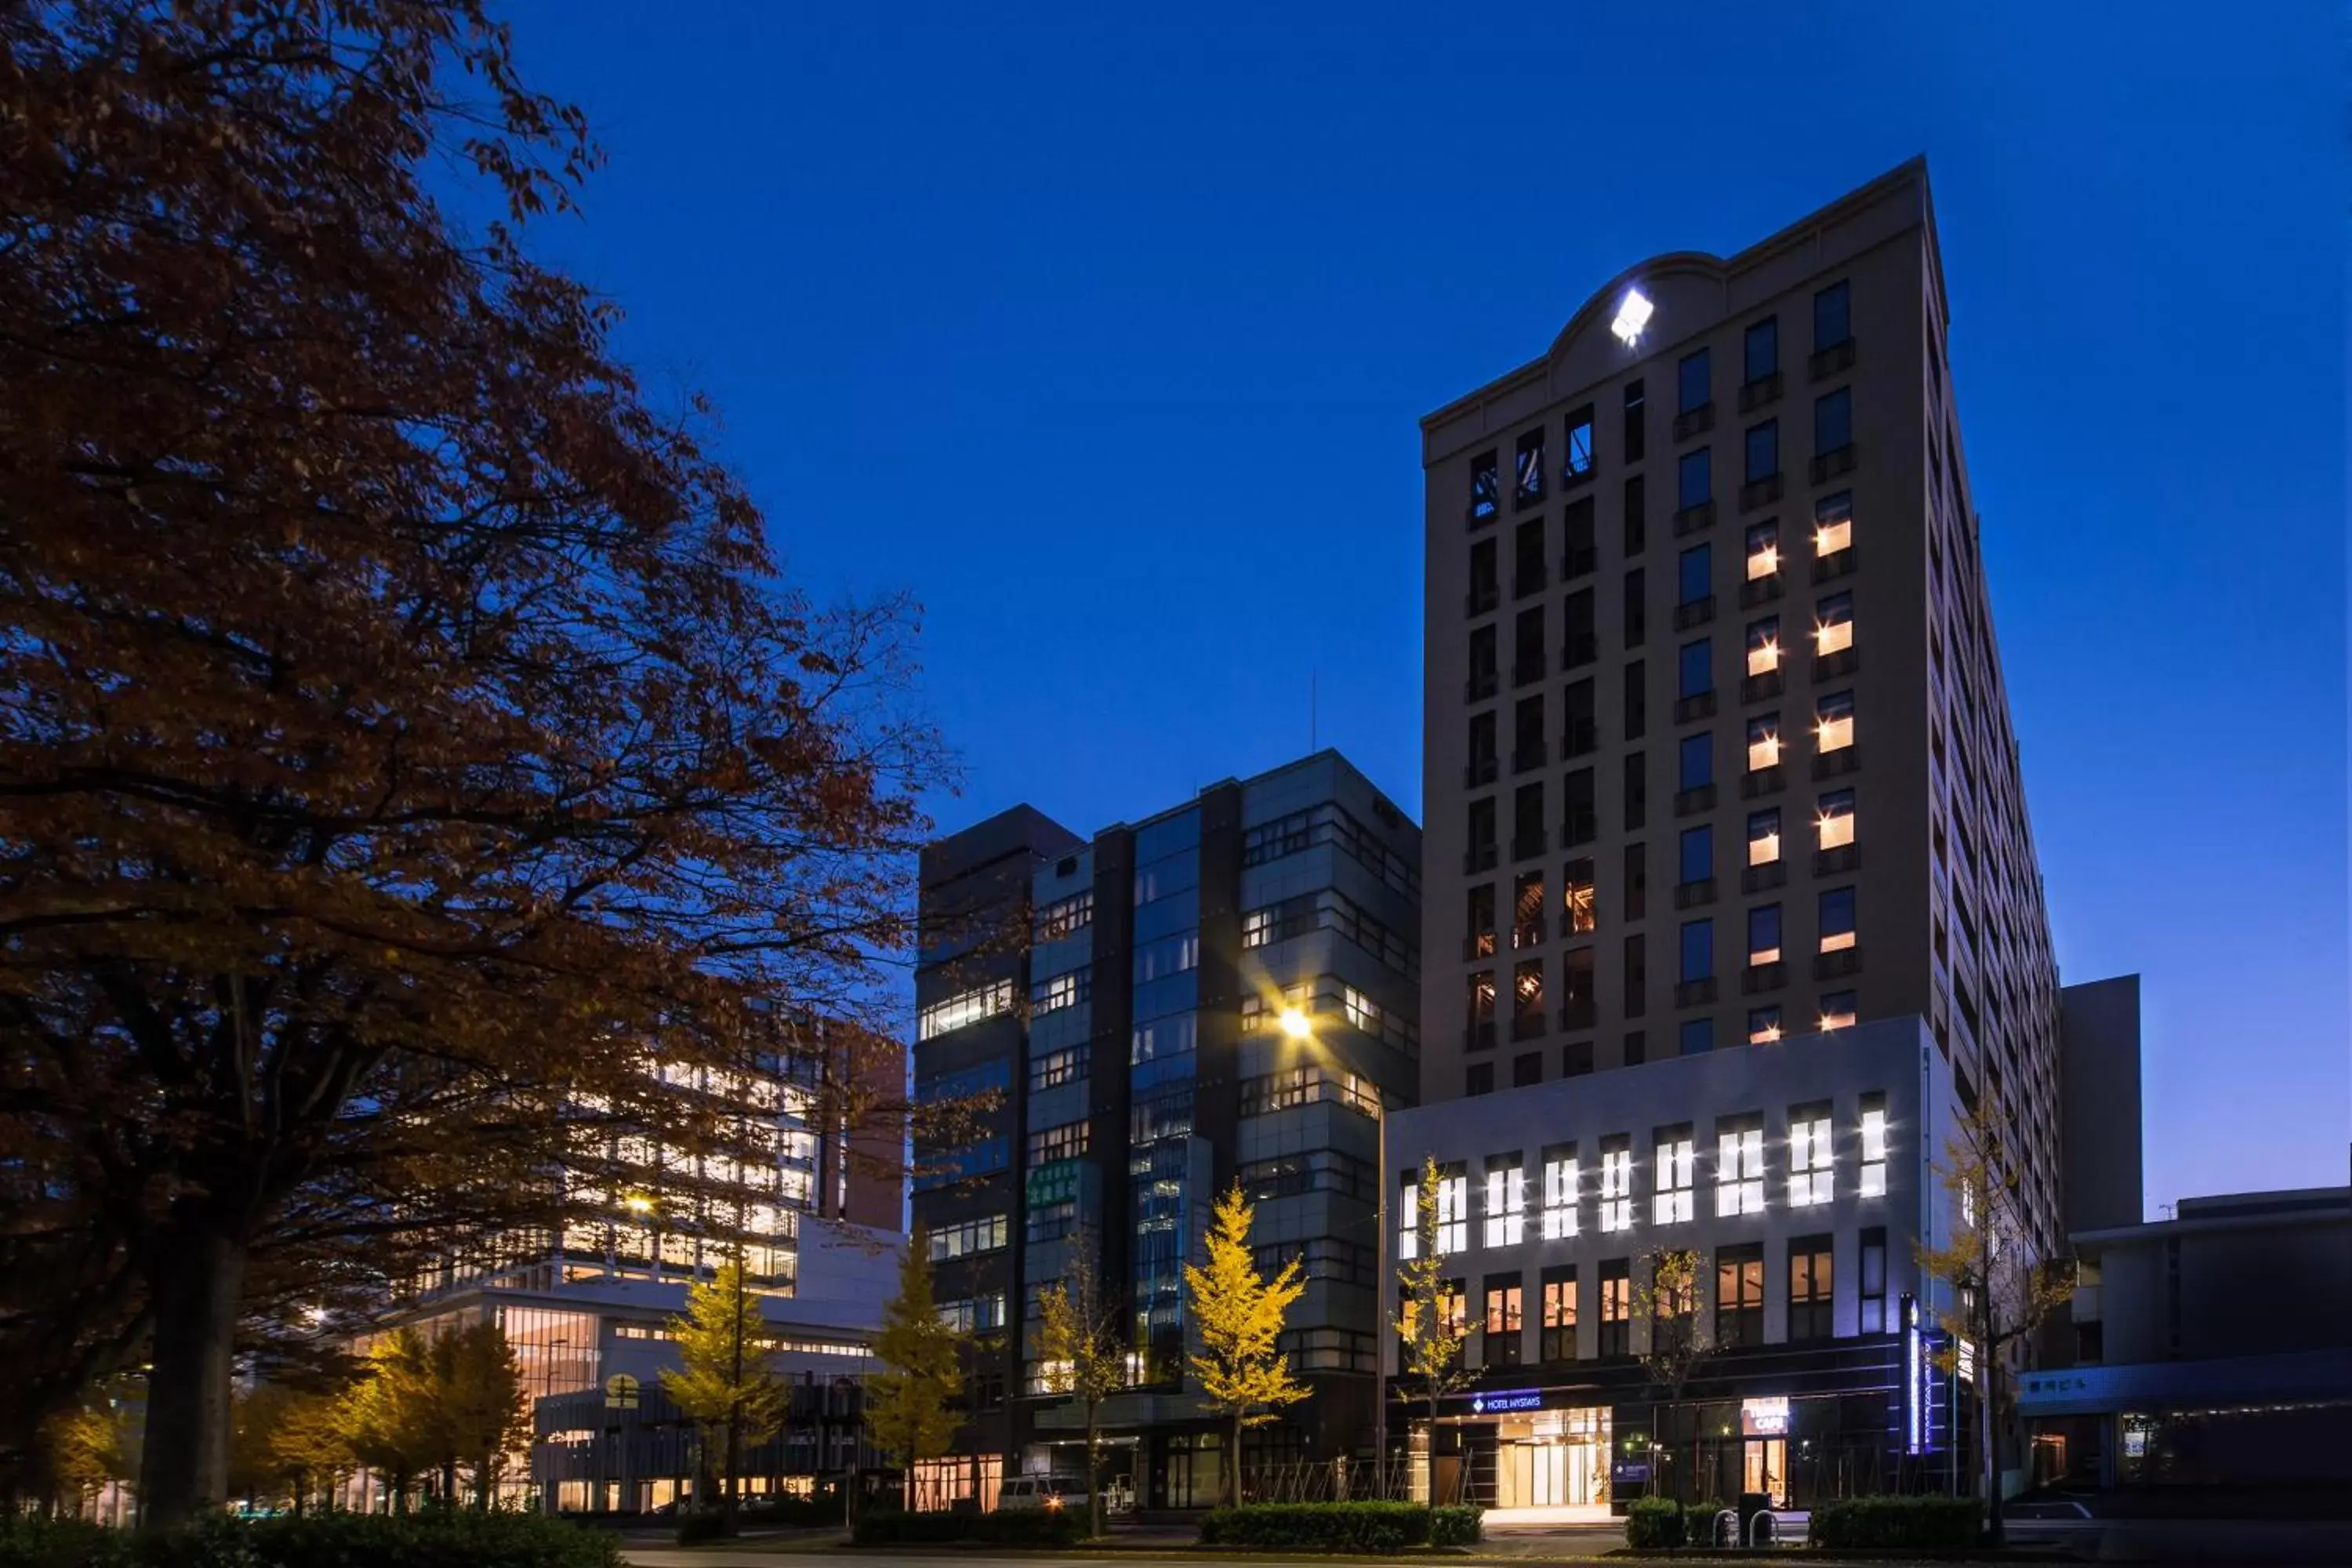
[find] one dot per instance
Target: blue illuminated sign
(1504, 1399)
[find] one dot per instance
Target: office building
(1117, 1001)
(1729, 861)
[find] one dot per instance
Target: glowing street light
(1632, 315)
(1296, 1024)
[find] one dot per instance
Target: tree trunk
(1093, 1473)
(734, 1458)
(1987, 1370)
(198, 1276)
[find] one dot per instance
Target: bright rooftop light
(1632, 315)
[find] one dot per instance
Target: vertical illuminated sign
(1915, 1381)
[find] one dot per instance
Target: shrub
(1898, 1521)
(457, 1538)
(1369, 1526)
(1698, 1523)
(1032, 1527)
(1457, 1525)
(1653, 1522)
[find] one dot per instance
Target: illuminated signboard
(1915, 1381)
(1504, 1399)
(1764, 1417)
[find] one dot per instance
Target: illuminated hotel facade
(1730, 892)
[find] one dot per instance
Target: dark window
(1527, 1070)
(1528, 660)
(1578, 824)
(1576, 1059)
(1694, 671)
(1763, 355)
(1580, 443)
(1482, 825)
(1559, 1306)
(1832, 325)
(1478, 920)
(1763, 450)
(1528, 557)
(1697, 854)
(1617, 1307)
(1637, 517)
(1698, 951)
(1691, 384)
(1576, 997)
(1485, 485)
(1579, 727)
(1833, 421)
(1581, 638)
(1637, 702)
(1695, 480)
(1697, 1036)
(1636, 437)
(1875, 1319)
(1637, 882)
(1526, 819)
(1486, 586)
(1637, 975)
(1478, 1079)
(1693, 575)
(1526, 732)
(1583, 554)
(1764, 935)
(1637, 1049)
(1482, 662)
(1637, 614)
(1810, 1295)
(1529, 468)
(1696, 756)
(1482, 742)
(1739, 1296)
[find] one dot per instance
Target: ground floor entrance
(1554, 1459)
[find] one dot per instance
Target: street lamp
(1297, 1026)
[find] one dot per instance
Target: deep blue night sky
(1105, 335)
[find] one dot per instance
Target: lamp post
(1298, 1026)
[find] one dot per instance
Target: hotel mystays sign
(1506, 1399)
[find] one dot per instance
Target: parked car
(1041, 1491)
(2047, 1523)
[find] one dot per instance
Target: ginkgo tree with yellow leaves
(1432, 1323)
(1242, 1370)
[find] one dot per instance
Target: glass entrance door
(1765, 1468)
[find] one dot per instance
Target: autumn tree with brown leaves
(407, 737)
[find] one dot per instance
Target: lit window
(1837, 1011)
(1833, 722)
(1578, 897)
(968, 1007)
(1763, 743)
(1562, 1192)
(1257, 927)
(1617, 1185)
(1873, 1147)
(1764, 934)
(1833, 625)
(1836, 822)
(1837, 919)
(1810, 1158)
(1764, 837)
(1677, 1165)
(1763, 1025)
(1452, 1211)
(1763, 550)
(1764, 646)
(1739, 1173)
(1834, 524)
(1506, 1201)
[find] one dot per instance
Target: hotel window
(1479, 1006)
(1693, 575)
(1694, 669)
(966, 1008)
(1697, 1036)
(1764, 646)
(1691, 390)
(1697, 855)
(1479, 921)
(1528, 910)
(1617, 1183)
(1697, 952)
(1837, 1011)
(1875, 1319)
(1832, 308)
(1453, 1209)
(1617, 1307)
(1527, 997)
(1580, 443)
(1636, 435)
(1502, 1336)
(1695, 758)
(1834, 524)
(1837, 919)
(1507, 1200)
(1762, 357)
(1813, 1169)
(1834, 820)
(1676, 1163)
(1832, 421)
(1763, 743)
(1763, 450)
(1873, 1145)
(1636, 706)
(1810, 1288)
(1559, 1313)
(1834, 722)
(1832, 625)
(1764, 837)
(1763, 550)
(1578, 902)
(1764, 1024)
(1637, 882)
(1763, 935)
(1581, 554)
(1740, 1167)
(1693, 479)
(1529, 470)
(1486, 486)
(1562, 1192)
(1739, 1296)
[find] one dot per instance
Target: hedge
(1653, 1522)
(1024, 1527)
(1903, 1521)
(433, 1539)
(1369, 1526)
(1460, 1524)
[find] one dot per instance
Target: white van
(1021, 1493)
